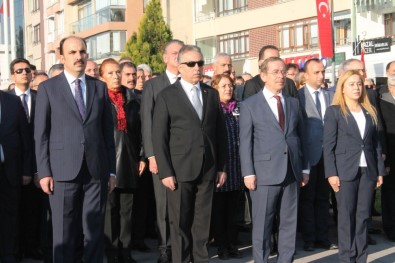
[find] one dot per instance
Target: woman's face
(112, 76)
(225, 90)
(352, 88)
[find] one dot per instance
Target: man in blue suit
(314, 198)
(271, 161)
(75, 154)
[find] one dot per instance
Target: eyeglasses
(20, 70)
(276, 72)
(369, 86)
(192, 64)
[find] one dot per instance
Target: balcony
(110, 14)
(374, 5)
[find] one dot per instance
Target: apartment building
(242, 27)
(104, 24)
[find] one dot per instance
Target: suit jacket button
(285, 152)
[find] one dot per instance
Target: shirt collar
(19, 92)
(171, 76)
(311, 90)
(188, 85)
(70, 78)
(268, 94)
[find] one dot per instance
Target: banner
(325, 28)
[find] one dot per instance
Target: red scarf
(116, 97)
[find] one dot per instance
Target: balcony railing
(110, 14)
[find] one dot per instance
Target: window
(235, 44)
(36, 6)
(389, 24)
(106, 44)
(51, 29)
(229, 7)
(84, 10)
(36, 34)
(342, 31)
(297, 36)
(208, 47)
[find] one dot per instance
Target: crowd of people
(95, 158)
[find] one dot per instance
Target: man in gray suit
(151, 89)
(271, 161)
(75, 154)
(314, 198)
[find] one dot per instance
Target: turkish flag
(2, 8)
(325, 28)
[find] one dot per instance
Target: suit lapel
(90, 94)
(354, 125)
(204, 97)
(1, 112)
(287, 112)
(310, 102)
(368, 123)
(33, 105)
(68, 96)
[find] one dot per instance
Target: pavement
(382, 252)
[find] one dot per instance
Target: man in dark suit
(15, 168)
(314, 198)
(75, 154)
(271, 161)
(151, 89)
(189, 140)
(256, 84)
(29, 242)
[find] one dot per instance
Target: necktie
(280, 110)
(197, 104)
(79, 98)
(24, 103)
(318, 103)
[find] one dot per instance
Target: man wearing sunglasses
(188, 127)
(21, 75)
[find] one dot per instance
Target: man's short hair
(171, 42)
(220, 55)
(187, 48)
(64, 40)
(291, 65)
(41, 73)
(389, 65)
(16, 61)
(127, 64)
(265, 64)
(54, 68)
(145, 67)
(33, 67)
(307, 63)
(264, 48)
(347, 63)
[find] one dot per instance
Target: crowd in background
(193, 158)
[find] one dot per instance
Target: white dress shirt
(28, 98)
(70, 79)
(361, 121)
(188, 87)
(321, 98)
(172, 77)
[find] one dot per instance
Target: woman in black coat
(129, 163)
(353, 162)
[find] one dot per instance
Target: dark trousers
(162, 215)
(388, 204)
(267, 201)
(9, 215)
(354, 205)
(118, 222)
(190, 214)
(78, 208)
(314, 205)
(30, 217)
(224, 215)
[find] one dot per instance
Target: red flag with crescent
(325, 28)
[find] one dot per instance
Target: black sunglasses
(20, 70)
(369, 86)
(191, 64)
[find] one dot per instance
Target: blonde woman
(353, 162)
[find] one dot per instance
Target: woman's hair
(104, 63)
(217, 79)
(338, 98)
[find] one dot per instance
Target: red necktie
(280, 110)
